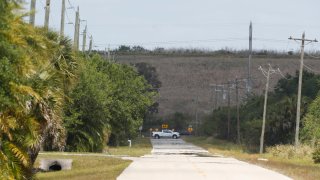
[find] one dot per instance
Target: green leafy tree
(311, 129)
(87, 116)
(108, 104)
(131, 99)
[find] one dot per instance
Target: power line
(308, 67)
(191, 41)
(316, 57)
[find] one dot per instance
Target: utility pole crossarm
(302, 39)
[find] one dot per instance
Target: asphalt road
(174, 159)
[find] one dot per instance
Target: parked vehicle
(165, 134)
(186, 133)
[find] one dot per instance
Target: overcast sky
(209, 24)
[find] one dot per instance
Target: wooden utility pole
(211, 100)
(47, 15)
(63, 13)
(90, 45)
(32, 12)
(238, 112)
(109, 55)
(216, 97)
(264, 112)
(228, 109)
(267, 75)
(196, 115)
(216, 90)
(84, 41)
(105, 53)
(249, 61)
(76, 31)
(303, 40)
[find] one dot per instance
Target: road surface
(174, 159)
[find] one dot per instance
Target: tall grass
(290, 152)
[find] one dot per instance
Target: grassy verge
(95, 166)
(295, 167)
(140, 147)
(86, 167)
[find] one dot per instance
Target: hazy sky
(208, 24)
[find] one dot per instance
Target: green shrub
(316, 156)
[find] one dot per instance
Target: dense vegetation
(55, 98)
(281, 115)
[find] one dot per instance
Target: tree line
(140, 50)
(58, 99)
(281, 115)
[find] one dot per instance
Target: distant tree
(179, 121)
(138, 49)
(159, 50)
(150, 74)
(124, 48)
(289, 85)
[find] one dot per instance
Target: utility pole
(32, 12)
(90, 45)
(211, 100)
(76, 31)
(267, 75)
(228, 109)
(63, 13)
(264, 111)
(238, 113)
(303, 40)
(197, 123)
(47, 15)
(250, 56)
(109, 57)
(216, 90)
(84, 41)
(105, 53)
(216, 97)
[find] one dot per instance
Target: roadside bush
(289, 151)
(316, 156)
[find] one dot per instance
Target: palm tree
(36, 68)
